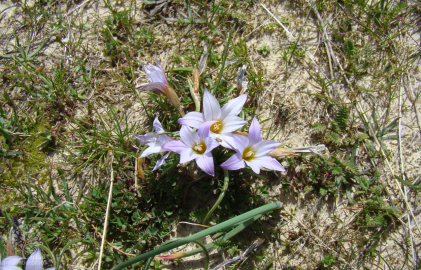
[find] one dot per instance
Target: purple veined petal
(51, 268)
(192, 119)
(204, 130)
(162, 71)
(154, 86)
(241, 142)
(163, 139)
(151, 73)
(155, 73)
(211, 107)
(210, 144)
(157, 125)
(255, 133)
(227, 141)
(10, 268)
(235, 162)
(187, 155)
(255, 165)
(264, 147)
(10, 261)
(187, 137)
(151, 150)
(232, 123)
(161, 161)
(175, 146)
(234, 106)
(270, 163)
(148, 138)
(34, 262)
(205, 162)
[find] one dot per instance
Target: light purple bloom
(160, 84)
(253, 151)
(157, 77)
(225, 119)
(35, 262)
(9, 263)
(155, 142)
(196, 146)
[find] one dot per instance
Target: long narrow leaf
(194, 237)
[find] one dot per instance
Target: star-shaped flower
(253, 151)
(155, 141)
(159, 84)
(196, 146)
(225, 119)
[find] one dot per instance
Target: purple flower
(9, 263)
(35, 262)
(160, 84)
(155, 142)
(253, 151)
(196, 146)
(225, 119)
(157, 77)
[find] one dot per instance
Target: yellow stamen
(248, 154)
(216, 127)
(199, 148)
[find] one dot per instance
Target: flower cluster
(202, 132)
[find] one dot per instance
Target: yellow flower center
(216, 127)
(248, 154)
(199, 148)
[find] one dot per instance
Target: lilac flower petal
(155, 73)
(210, 144)
(235, 162)
(211, 107)
(187, 137)
(203, 131)
(51, 268)
(157, 125)
(162, 71)
(10, 261)
(154, 86)
(163, 139)
(151, 150)
(255, 165)
(271, 163)
(187, 155)
(148, 138)
(255, 134)
(192, 119)
(264, 147)
(175, 146)
(161, 161)
(227, 141)
(233, 107)
(205, 162)
(10, 268)
(232, 123)
(241, 142)
(34, 262)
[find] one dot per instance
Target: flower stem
(221, 196)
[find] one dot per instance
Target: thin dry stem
(107, 213)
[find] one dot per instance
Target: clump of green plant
(264, 49)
